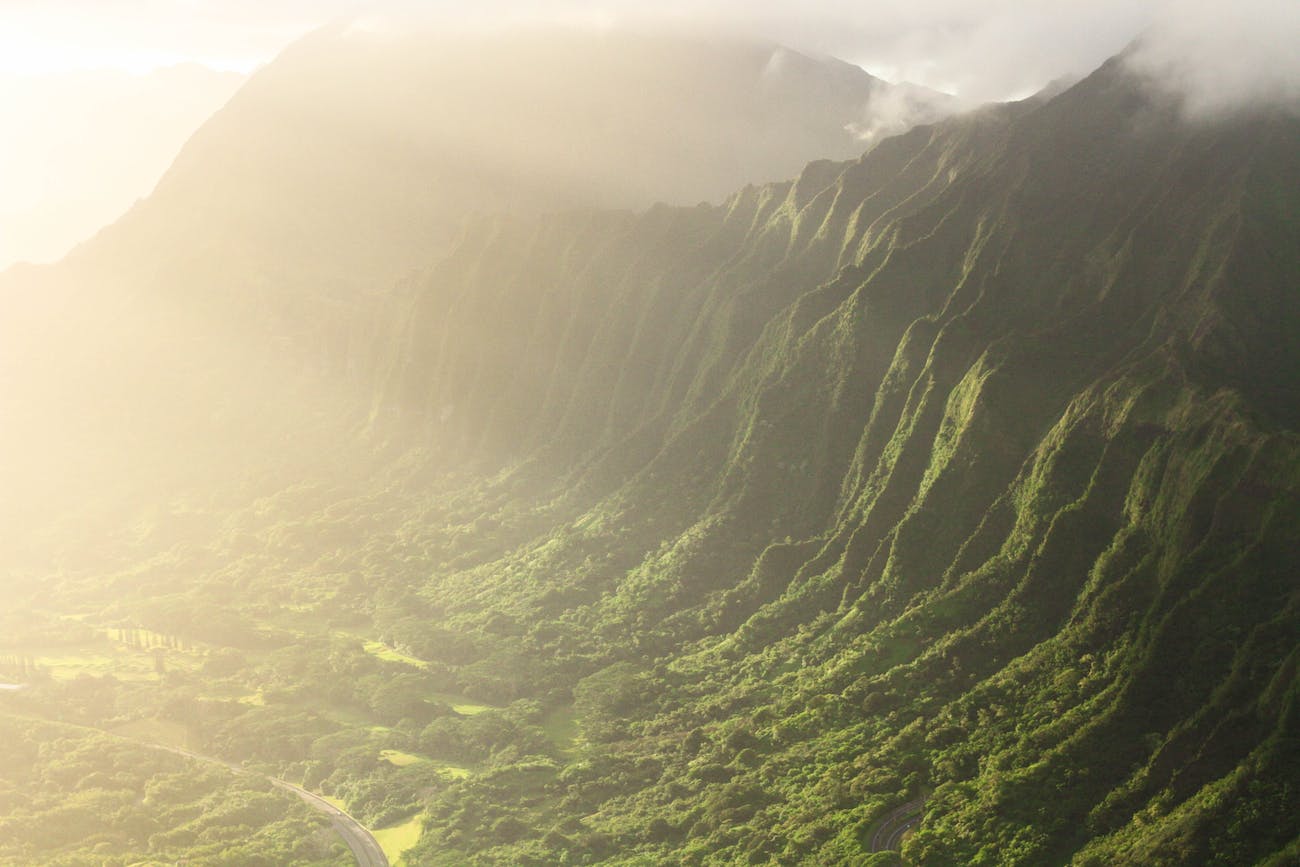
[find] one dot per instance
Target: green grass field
(107, 657)
(399, 759)
(383, 651)
(399, 838)
(454, 772)
(561, 726)
(87, 649)
(460, 704)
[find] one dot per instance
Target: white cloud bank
(1217, 53)
(1220, 57)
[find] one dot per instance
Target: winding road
(365, 848)
(889, 834)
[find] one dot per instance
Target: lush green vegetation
(967, 472)
(73, 797)
(399, 839)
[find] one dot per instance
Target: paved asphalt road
(365, 848)
(889, 834)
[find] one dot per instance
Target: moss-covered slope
(967, 470)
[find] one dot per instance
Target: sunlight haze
(64, 67)
(519, 433)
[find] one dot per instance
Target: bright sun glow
(27, 55)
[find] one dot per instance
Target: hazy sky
(984, 49)
(79, 147)
(1217, 53)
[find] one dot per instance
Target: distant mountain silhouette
(82, 147)
(355, 154)
(346, 163)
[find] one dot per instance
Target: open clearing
(399, 838)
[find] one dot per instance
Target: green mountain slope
(960, 479)
(966, 470)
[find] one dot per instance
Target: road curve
(365, 848)
(895, 841)
(891, 830)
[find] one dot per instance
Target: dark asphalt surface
(889, 835)
(365, 848)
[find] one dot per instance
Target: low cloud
(1217, 54)
(1219, 58)
(895, 110)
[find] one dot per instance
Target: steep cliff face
(964, 474)
(968, 468)
(185, 343)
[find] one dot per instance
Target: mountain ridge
(336, 171)
(965, 473)
(1038, 430)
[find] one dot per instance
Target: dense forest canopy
(938, 503)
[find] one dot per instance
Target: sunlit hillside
(539, 446)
